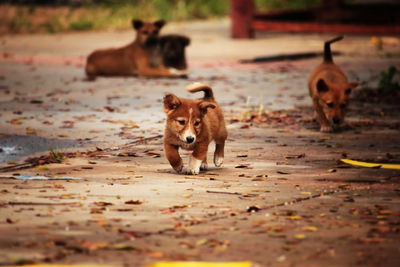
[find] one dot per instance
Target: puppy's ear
(350, 87)
(171, 102)
(185, 41)
(137, 24)
(322, 87)
(204, 106)
(159, 23)
(353, 84)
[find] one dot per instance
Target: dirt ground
(282, 197)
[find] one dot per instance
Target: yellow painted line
(200, 264)
(371, 165)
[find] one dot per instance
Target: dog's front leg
(172, 154)
(325, 126)
(204, 165)
(199, 155)
(145, 69)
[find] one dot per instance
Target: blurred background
(47, 16)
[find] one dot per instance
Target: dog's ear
(171, 102)
(350, 87)
(185, 40)
(204, 105)
(159, 23)
(322, 87)
(137, 24)
(353, 84)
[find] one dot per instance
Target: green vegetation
(116, 15)
(386, 81)
(286, 4)
(56, 155)
(82, 25)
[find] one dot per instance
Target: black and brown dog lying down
(172, 49)
(142, 57)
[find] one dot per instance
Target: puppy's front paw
(194, 166)
(218, 161)
(326, 129)
(178, 73)
(179, 169)
(190, 171)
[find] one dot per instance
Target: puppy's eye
(181, 122)
(343, 105)
(197, 123)
(330, 104)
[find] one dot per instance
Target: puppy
(132, 59)
(172, 49)
(192, 125)
(330, 91)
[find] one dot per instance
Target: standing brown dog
(330, 91)
(192, 125)
(136, 58)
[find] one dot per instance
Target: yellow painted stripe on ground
(201, 264)
(371, 165)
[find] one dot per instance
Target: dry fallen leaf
(310, 228)
(102, 203)
(31, 131)
(15, 121)
(134, 202)
(93, 246)
(122, 246)
(126, 123)
(155, 254)
(300, 236)
(42, 168)
(294, 217)
(242, 166)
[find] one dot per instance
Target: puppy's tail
(327, 48)
(197, 87)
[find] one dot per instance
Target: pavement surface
(281, 198)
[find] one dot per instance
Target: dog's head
(173, 50)
(185, 117)
(334, 99)
(147, 32)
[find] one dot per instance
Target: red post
(242, 12)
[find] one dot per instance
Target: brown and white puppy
(192, 125)
(330, 91)
(172, 49)
(132, 59)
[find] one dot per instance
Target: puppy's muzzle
(336, 120)
(190, 139)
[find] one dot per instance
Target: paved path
(281, 198)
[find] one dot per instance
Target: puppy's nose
(336, 120)
(189, 139)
